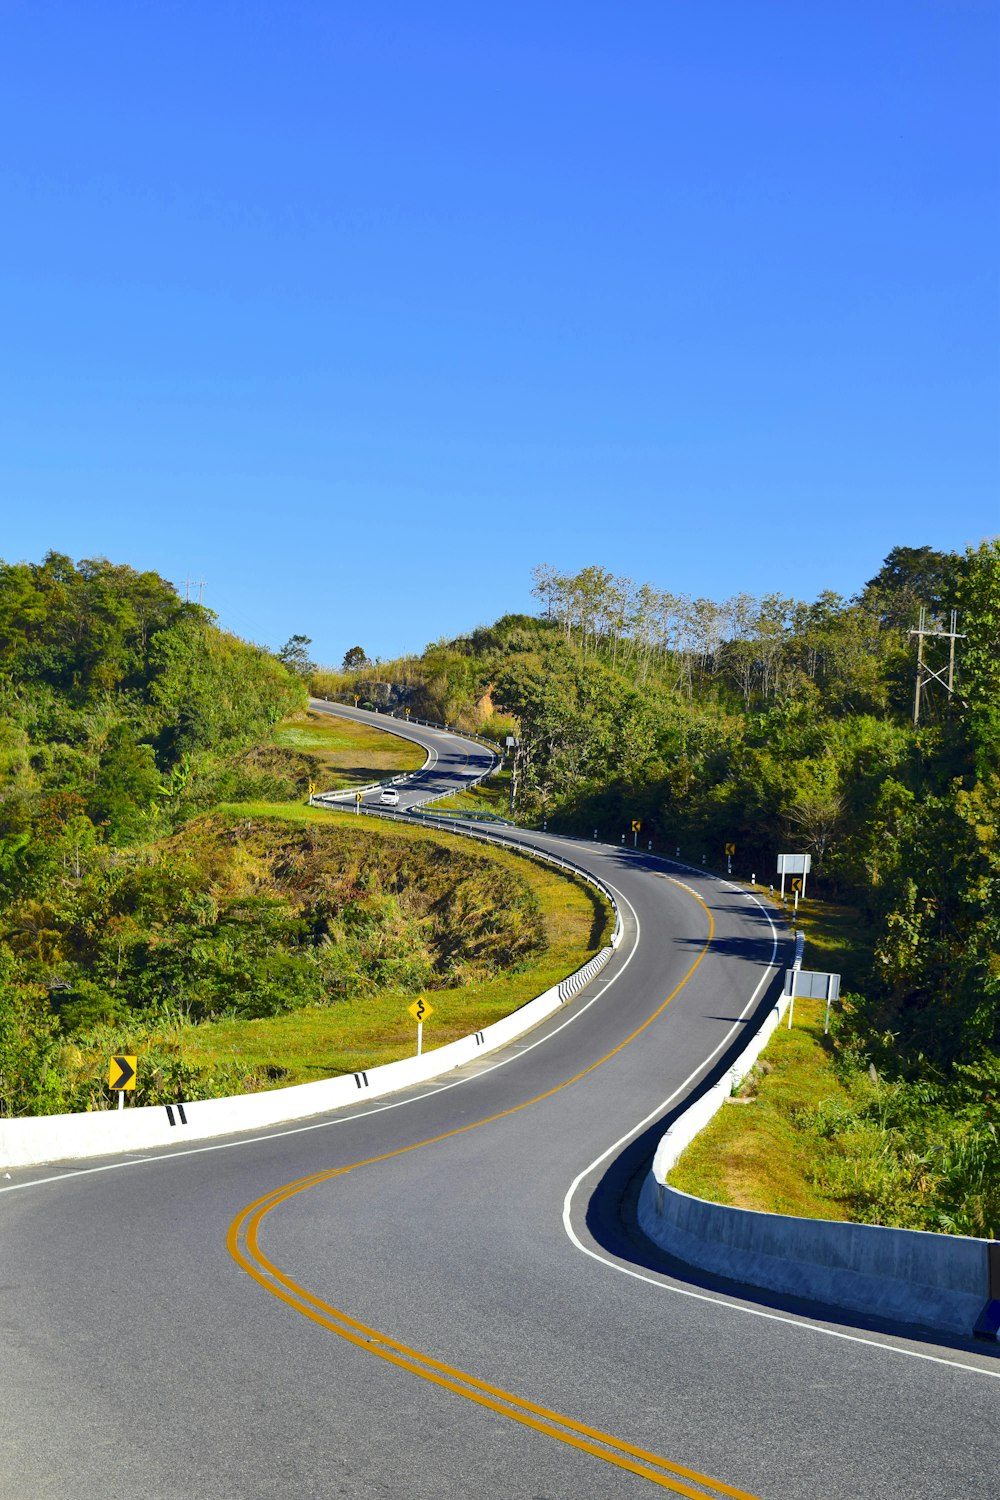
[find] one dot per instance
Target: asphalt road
(442, 1294)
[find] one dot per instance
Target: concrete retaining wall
(938, 1281)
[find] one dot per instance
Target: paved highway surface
(442, 1294)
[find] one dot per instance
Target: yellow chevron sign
(121, 1072)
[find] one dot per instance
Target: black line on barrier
(170, 1115)
(180, 1111)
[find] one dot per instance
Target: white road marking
(715, 1299)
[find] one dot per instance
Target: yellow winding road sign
(420, 1010)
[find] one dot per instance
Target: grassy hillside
(322, 933)
(160, 876)
(337, 753)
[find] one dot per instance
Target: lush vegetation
(508, 911)
(144, 884)
(334, 753)
(776, 723)
(814, 1134)
(163, 887)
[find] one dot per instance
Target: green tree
(979, 605)
(126, 786)
(908, 578)
(295, 655)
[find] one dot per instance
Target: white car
(389, 797)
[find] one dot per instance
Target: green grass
(319, 1041)
(342, 754)
(761, 1154)
(755, 1154)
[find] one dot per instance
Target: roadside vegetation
(810, 1132)
(781, 724)
(493, 931)
(310, 939)
(161, 882)
(166, 892)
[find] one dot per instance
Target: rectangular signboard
(794, 864)
(812, 985)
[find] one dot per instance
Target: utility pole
(190, 583)
(926, 674)
(513, 744)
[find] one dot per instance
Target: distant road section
(454, 763)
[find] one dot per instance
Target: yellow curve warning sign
(420, 1009)
(121, 1072)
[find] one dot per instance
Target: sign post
(357, 803)
(420, 1010)
(794, 864)
(636, 825)
(812, 985)
(730, 851)
(121, 1076)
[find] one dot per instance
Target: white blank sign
(794, 864)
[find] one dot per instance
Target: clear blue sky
(358, 312)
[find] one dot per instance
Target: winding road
(442, 1294)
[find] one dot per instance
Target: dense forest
(772, 724)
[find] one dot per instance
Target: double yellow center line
(243, 1243)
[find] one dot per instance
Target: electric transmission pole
(945, 675)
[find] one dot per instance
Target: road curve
(443, 1294)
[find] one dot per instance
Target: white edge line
(720, 1301)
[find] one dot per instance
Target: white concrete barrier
(938, 1281)
(49, 1138)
